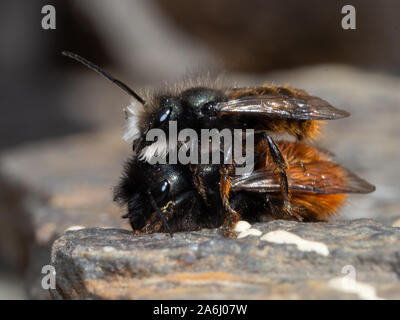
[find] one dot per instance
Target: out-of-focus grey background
(144, 43)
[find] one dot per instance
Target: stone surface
(53, 186)
(48, 187)
(11, 286)
(113, 264)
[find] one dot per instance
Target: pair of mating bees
(290, 180)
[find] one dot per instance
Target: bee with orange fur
(279, 109)
(318, 186)
(292, 179)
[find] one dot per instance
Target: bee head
(192, 108)
(169, 109)
(142, 181)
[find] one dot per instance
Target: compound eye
(162, 117)
(161, 192)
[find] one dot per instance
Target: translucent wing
(303, 108)
(316, 177)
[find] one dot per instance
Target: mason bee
(318, 188)
(290, 180)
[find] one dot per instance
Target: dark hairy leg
(231, 216)
(160, 214)
(169, 212)
(281, 164)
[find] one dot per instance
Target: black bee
(187, 197)
(164, 198)
(190, 198)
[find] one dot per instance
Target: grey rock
(113, 264)
(51, 186)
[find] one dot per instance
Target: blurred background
(45, 96)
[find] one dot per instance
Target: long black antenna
(100, 71)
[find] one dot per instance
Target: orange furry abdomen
(308, 166)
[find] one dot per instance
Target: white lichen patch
(396, 224)
(364, 291)
(244, 229)
(74, 228)
(284, 237)
(108, 249)
(250, 232)
(242, 226)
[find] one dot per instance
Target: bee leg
(231, 216)
(150, 225)
(199, 184)
(158, 211)
(280, 162)
(154, 224)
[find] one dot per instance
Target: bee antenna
(155, 207)
(100, 71)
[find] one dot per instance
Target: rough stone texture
(113, 264)
(50, 186)
(53, 186)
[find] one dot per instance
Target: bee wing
(304, 108)
(316, 177)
